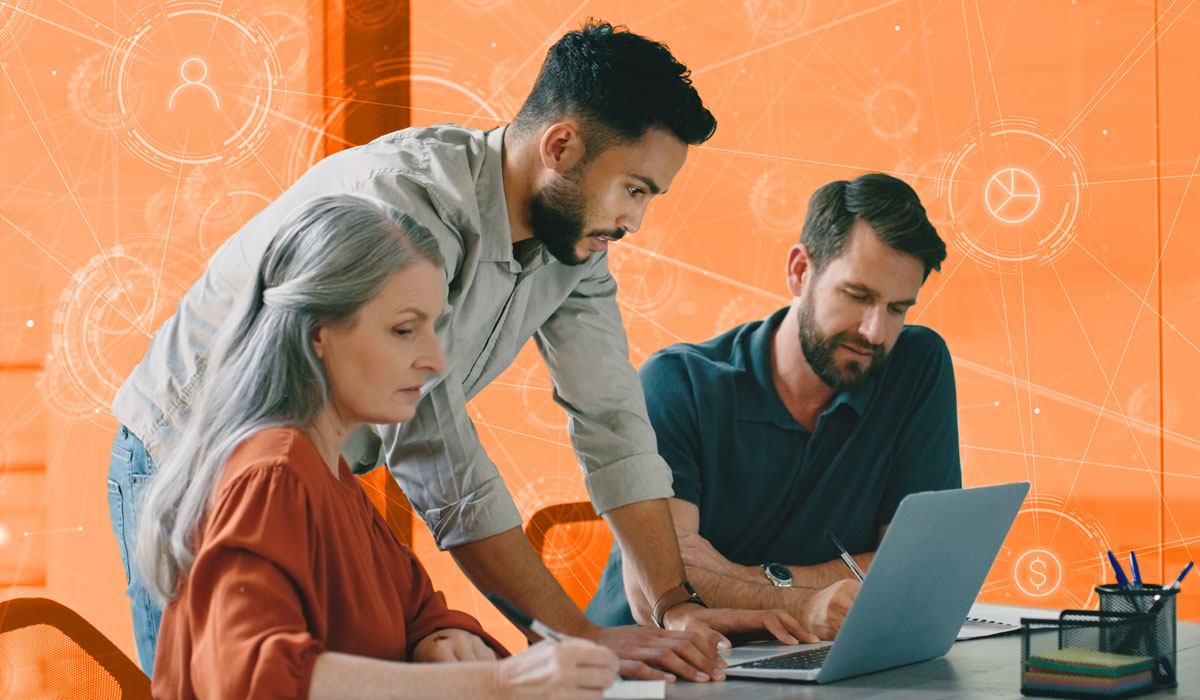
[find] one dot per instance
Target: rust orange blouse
(292, 561)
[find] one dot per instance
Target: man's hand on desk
(746, 624)
(826, 609)
(653, 654)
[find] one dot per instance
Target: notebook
(987, 620)
(921, 584)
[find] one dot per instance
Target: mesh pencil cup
(1114, 599)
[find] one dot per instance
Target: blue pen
(1122, 580)
(1137, 575)
(1186, 569)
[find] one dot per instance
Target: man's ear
(561, 147)
(800, 268)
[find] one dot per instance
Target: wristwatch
(676, 595)
(778, 574)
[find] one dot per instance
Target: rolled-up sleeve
(584, 346)
(443, 469)
(249, 586)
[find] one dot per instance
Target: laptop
(924, 578)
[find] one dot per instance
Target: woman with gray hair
(280, 577)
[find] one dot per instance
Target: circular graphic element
(537, 400)
(105, 319)
(205, 84)
(777, 16)
(483, 4)
(1037, 573)
(163, 213)
(649, 284)
(1143, 405)
(16, 19)
(1033, 189)
(744, 309)
(370, 15)
(923, 176)
(219, 204)
(429, 82)
(95, 106)
(779, 203)
(893, 111)
(1053, 557)
(289, 38)
(1012, 195)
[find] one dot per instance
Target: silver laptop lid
(925, 576)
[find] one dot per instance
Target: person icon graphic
(198, 82)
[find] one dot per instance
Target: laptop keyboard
(800, 660)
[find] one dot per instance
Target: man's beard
(556, 214)
(819, 352)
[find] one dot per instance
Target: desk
(987, 668)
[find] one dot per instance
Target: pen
(1122, 580)
(846, 556)
(523, 621)
(1158, 600)
(1175, 586)
(1137, 574)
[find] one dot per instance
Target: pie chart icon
(1012, 195)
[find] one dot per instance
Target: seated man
(822, 416)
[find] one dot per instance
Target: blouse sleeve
(428, 612)
(247, 591)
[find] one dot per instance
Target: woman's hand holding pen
(571, 668)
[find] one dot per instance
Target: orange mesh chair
(47, 651)
(390, 501)
(574, 544)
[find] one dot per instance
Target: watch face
(779, 573)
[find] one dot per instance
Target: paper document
(634, 690)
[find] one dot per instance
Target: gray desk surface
(980, 668)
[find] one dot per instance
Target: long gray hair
(328, 259)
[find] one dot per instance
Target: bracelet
(675, 596)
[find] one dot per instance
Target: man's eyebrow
(649, 183)
(874, 294)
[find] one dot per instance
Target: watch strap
(675, 596)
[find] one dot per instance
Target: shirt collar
(496, 239)
(760, 400)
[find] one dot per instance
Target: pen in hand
(846, 556)
(524, 622)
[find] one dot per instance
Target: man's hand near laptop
(819, 596)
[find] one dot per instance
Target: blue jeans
(129, 474)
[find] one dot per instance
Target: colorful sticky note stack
(1087, 672)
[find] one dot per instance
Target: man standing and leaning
(827, 414)
(523, 215)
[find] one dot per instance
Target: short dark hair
(886, 203)
(618, 85)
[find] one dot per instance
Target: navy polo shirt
(766, 487)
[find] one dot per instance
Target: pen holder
(1088, 654)
(1114, 599)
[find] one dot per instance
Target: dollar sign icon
(1037, 573)
(1037, 567)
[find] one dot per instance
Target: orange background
(1070, 309)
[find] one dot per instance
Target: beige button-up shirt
(449, 178)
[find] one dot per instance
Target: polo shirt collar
(760, 400)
